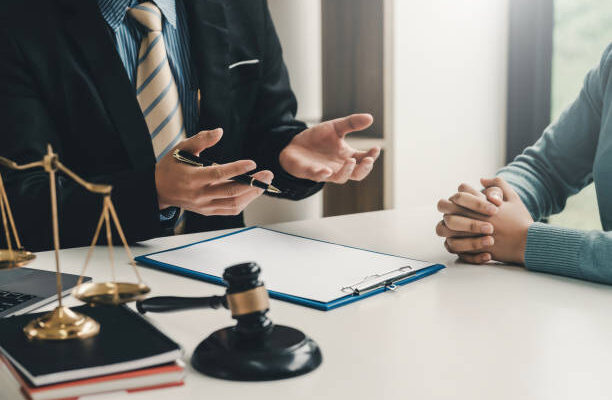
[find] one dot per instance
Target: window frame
(529, 73)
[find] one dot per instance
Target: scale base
(283, 353)
(61, 324)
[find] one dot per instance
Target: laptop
(25, 289)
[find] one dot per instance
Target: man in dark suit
(116, 85)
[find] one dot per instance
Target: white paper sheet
(290, 264)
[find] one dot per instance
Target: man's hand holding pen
(206, 191)
(319, 153)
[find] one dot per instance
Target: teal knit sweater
(572, 152)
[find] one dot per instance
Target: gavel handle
(171, 303)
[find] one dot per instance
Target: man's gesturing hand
(321, 154)
(208, 190)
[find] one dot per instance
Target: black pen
(188, 158)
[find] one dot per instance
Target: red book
(157, 377)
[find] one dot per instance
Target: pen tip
(274, 189)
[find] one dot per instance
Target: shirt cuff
(167, 214)
(553, 249)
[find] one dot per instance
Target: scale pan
(110, 293)
(14, 258)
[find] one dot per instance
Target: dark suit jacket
(62, 82)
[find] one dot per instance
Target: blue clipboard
(323, 306)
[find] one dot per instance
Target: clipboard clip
(386, 280)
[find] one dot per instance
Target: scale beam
(63, 323)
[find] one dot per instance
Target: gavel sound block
(254, 349)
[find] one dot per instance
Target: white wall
(298, 24)
(448, 93)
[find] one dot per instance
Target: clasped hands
(319, 153)
(484, 226)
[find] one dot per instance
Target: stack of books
(129, 354)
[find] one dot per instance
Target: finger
(344, 173)
(304, 168)
(203, 140)
(471, 245)
(362, 169)
(264, 176)
(230, 189)
(235, 205)
(220, 211)
(479, 258)
(443, 231)
(373, 153)
(222, 172)
(448, 207)
(351, 123)
(464, 187)
(478, 204)
(320, 174)
(464, 224)
(494, 194)
(508, 191)
(226, 189)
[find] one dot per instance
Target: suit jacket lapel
(88, 31)
(210, 53)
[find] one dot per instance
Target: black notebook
(126, 342)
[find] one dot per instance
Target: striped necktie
(156, 89)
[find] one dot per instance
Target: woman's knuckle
(474, 244)
(448, 247)
(474, 226)
(440, 228)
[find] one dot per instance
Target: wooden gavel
(254, 349)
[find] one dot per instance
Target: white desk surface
(467, 332)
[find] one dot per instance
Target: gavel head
(247, 299)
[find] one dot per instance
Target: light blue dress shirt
(128, 34)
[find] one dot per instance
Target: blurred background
(457, 89)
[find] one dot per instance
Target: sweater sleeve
(569, 252)
(560, 163)
(556, 167)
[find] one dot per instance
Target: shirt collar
(114, 11)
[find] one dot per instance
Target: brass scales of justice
(62, 323)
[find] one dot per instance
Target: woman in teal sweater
(498, 223)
